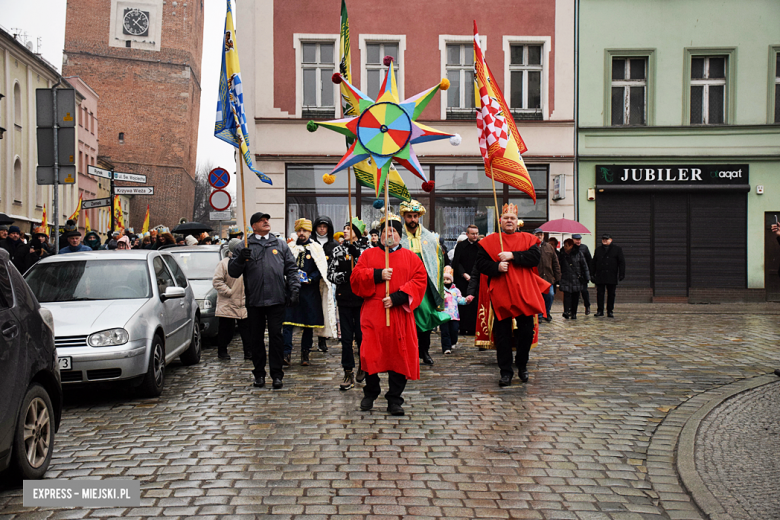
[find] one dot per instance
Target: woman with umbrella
(574, 277)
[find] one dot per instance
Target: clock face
(136, 22)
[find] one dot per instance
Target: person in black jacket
(574, 277)
(323, 234)
(270, 282)
(16, 248)
(577, 238)
(345, 256)
(607, 269)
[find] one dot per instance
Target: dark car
(30, 388)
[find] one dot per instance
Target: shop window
(318, 65)
(375, 68)
(708, 90)
(629, 91)
(460, 73)
(526, 72)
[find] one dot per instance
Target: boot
(304, 359)
(322, 345)
(287, 360)
(361, 375)
(349, 380)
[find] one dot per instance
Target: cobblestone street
(593, 435)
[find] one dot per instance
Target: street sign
(44, 175)
(220, 200)
(66, 146)
(220, 215)
(95, 203)
(66, 108)
(129, 177)
(219, 178)
(141, 190)
(99, 172)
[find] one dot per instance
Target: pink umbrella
(564, 225)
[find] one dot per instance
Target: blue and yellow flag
(231, 118)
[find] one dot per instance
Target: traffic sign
(220, 215)
(141, 190)
(95, 203)
(220, 200)
(129, 177)
(44, 175)
(219, 178)
(99, 172)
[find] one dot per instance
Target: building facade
(289, 52)
(679, 144)
(143, 58)
(21, 198)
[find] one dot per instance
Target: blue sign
(219, 178)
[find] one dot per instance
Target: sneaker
(349, 380)
(448, 352)
(395, 409)
(366, 404)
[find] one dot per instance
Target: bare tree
(200, 207)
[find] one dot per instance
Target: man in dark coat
(270, 282)
(574, 277)
(549, 269)
(607, 269)
(463, 264)
(577, 238)
(16, 248)
(323, 234)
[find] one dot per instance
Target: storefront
(463, 195)
(682, 227)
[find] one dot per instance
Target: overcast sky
(45, 19)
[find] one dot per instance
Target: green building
(678, 144)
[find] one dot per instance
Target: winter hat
(577, 236)
(233, 245)
(14, 229)
(191, 240)
(124, 240)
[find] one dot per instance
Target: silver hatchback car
(118, 315)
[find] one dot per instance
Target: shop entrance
(771, 258)
(674, 241)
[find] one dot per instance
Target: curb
(686, 466)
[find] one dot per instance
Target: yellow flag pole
(387, 249)
(498, 213)
(243, 200)
(349, 205)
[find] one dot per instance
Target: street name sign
(141, 190)
(220, 215)
(95, 203)
(99, 172)
(129, 177)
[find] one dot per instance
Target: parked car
(199, 264)
(119, 315)
(30, 389)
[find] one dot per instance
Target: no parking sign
(219, 178)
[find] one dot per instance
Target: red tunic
(395, 347)
(517, 292)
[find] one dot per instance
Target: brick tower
(143, 58)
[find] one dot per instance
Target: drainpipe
(576, 109)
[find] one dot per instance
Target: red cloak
(395, 347)
(517, 292)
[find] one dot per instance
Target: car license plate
(65, 363)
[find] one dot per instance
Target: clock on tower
(135, 22)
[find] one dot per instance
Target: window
(163, 277)
(460, 73)
(526, 74)
(629, 91)
(17, 106)
(777, 87)
(375, 67)
(6, 293)
(318, 65)
(17, 181)
(121, 137)
(181, 279)
(708, 90)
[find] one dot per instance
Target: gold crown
(413, 206)
(509, 209)
(390, 216)
(303, 223)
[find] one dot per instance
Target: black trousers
(397, 384)
(226, 331)
(521, 339)
(258, 316)
(610, 296)
(570, 302)
(349, 318)
(423, 342)
(585, 297)
(449, 334)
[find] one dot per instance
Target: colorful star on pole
(386, 129)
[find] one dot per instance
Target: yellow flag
(86, 218)
(145, 228)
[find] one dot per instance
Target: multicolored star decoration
(386, 129)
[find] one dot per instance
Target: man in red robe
(509, 261)
(390, 349)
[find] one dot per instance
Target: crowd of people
(383, 292)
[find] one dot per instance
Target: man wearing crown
(391, 349)
(425, 245)
(508, 261)
(315, 309)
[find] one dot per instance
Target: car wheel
(34, 436)
(154, 380)
(191, 356)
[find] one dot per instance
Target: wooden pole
(387, 249)
(498, 213)
(349, 205)
(243, 199)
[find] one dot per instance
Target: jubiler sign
(686, 174)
